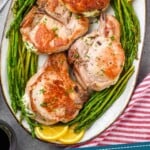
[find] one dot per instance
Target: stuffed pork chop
(98, 58)
(51, 28)
(51, 95)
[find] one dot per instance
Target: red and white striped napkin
(133, 125)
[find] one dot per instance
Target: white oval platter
(116, 109)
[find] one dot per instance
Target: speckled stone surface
(24, 140)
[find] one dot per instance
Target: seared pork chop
(86, 6)
(98, 58)
(52, 95)
(51, 28)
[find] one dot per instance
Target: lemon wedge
(50, 133)
(71, 137)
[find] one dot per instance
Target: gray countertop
(25, 141)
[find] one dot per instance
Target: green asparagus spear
(21, 64)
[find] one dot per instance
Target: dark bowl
(10, 134)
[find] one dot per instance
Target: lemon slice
(71, 137)
(50, 133)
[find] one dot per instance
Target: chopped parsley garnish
(78, 16)
(55, 29)
(76, 55)
(42, 91)
(87, 56)
(45, 20)
(43, 104)
(71, 90)
(112, 38)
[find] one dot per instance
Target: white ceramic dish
(117, 108)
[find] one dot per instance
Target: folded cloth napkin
(134, 123)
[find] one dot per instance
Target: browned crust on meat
(57, 93)
(80, 6)
(44, 36)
